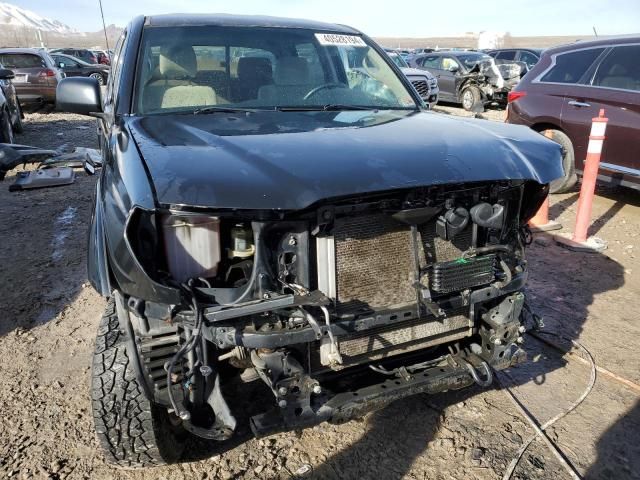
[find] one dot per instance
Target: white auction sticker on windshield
(340, 40)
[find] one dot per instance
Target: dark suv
(470, 78)
(527, 56)
(568, 87)
(81, 53)
(288, 236)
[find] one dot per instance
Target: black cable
(186, 348)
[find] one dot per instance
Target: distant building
(488, 39)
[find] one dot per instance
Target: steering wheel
(324, 86)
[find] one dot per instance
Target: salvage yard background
(50, 316)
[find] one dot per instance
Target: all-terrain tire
(570, 178)
(6, 130)
(132, 430)
(471, 99)
(19, 127)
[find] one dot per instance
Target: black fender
(97, 259)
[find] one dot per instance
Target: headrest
(292, 71)
(618, 70)
(178, 62)
(254, 66)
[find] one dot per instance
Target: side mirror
(6, 74)
(454, 68)
(79, 95)
(61, 64)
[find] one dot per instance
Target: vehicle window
(185, 69)
(309, 52)
(430, 62)
(21, 60)
(529, 58)
(116, 67)
(67, 61)
(449, 63)
(506, 55)
(620, 69)
(472, 59)
(398, 60)
(570, 67)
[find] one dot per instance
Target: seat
(618, 77)
(291, 83)
(253, 73)
(172, 84)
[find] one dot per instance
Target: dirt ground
(51, 315)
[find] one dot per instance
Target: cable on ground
(540, 430)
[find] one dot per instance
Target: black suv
(81, 53)
(288, 236)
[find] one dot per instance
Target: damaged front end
(338, 308)
(495, 80)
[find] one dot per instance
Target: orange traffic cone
(540, 221)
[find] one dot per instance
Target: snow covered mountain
(11, 15)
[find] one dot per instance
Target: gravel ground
(47, 334)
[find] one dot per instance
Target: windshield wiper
(219, 108)
(324, 108)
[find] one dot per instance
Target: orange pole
(588, 188)
(541, 218)
(540, 221)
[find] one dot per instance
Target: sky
(380, 18)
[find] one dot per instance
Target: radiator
(373, 264)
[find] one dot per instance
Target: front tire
(471, 99)
(18, 127)
(133, 431)
(6, 130)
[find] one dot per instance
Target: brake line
(540, 430)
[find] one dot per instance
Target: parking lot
(51, 316)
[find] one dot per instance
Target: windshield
(188, 69)
(398, 60)
(471, 59)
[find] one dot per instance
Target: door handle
(575, 103)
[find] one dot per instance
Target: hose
(473, 252)
(540, 430)
(252, 278)
(186, 348)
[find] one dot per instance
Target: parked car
(470, 78)
(568, 87)
(10, 111)
(102, 56)
(300, 221)
(81, 53)
(421, 51)
(36, 76)
(74, 67)
(528, 56)
(423, 81)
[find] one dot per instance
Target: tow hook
(474, 373)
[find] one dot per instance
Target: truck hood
(415, 72)
(290, 160)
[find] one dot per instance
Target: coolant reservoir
(192, 244)
(241, 242)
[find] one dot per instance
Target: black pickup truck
(279, 213)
